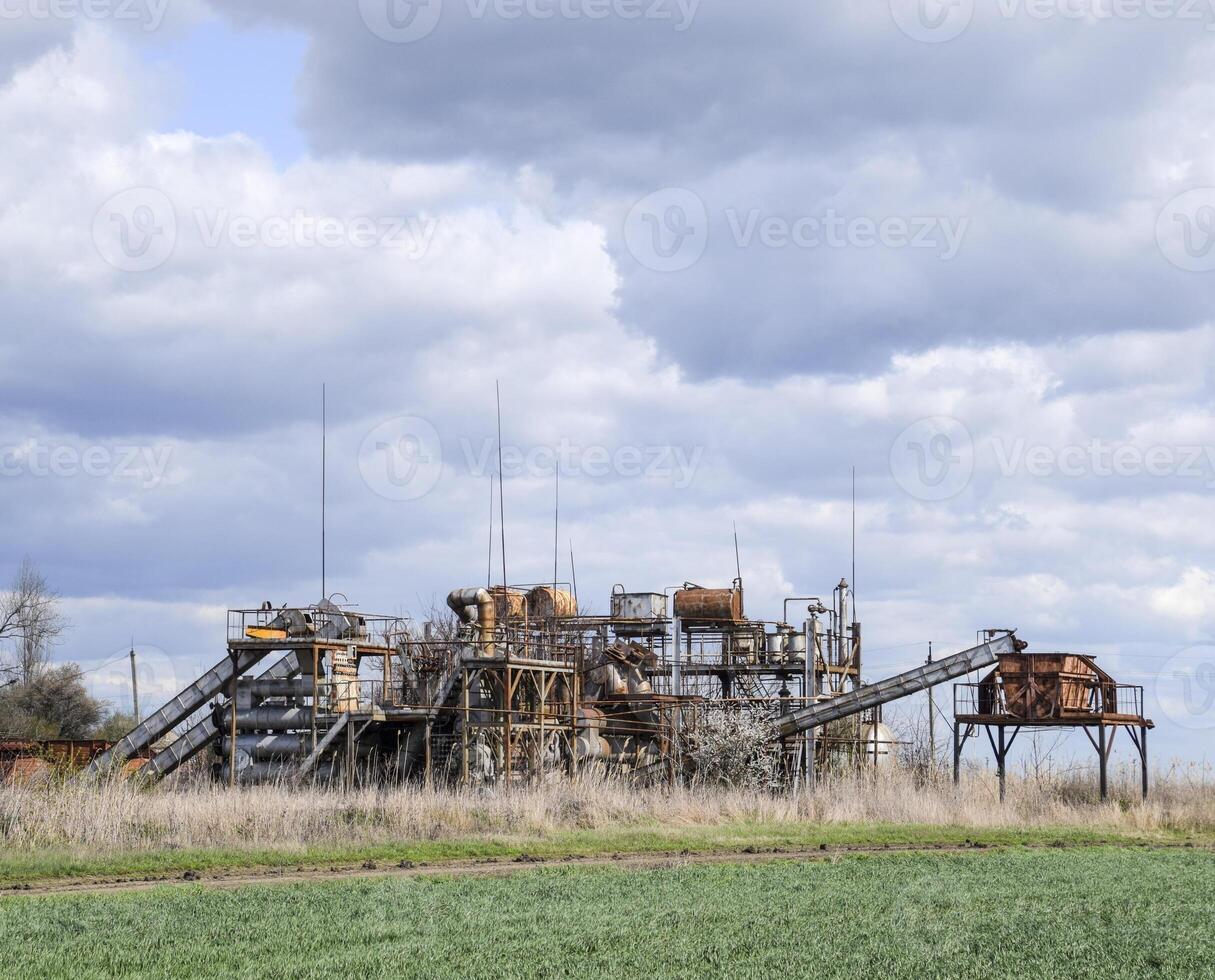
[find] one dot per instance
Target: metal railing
(316, 623)
(1047, 700)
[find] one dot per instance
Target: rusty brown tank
(709, 607)
(510, 603)
(545, 602)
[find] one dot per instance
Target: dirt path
(524, 862)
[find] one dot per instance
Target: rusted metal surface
(544, 602)
(35, 758)
(709, 607)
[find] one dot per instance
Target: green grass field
(18, 867)
(1084, 912)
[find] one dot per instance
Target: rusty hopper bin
(709, 607)
(1038, 686)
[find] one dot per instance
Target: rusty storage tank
(696, 606)
(545, 602)
(508, 602)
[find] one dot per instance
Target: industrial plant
(519, 683)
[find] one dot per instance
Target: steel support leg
(957, 755)
(1143, 759)
(1101, 761)
(1001, 753)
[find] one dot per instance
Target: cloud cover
(476, 185)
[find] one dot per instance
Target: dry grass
(122, 816)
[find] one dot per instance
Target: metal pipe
(476, 606)
(266, 719)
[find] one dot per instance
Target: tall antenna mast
(573, 575)
(556, 512)
(489, 563)
(324, 448)
(737, 563)
(501, 495)
(854, 612)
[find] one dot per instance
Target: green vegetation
(18, 867)
(1092, 912)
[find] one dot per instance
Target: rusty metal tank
(709, 607)
(509, 602)
(545, 602)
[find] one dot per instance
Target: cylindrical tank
(279, 687)
(593, 747)
(509, 602)
(708, 607)
(265, 746)
(880, 739)
(545, 602)
(795, 648)
(774, 647)
(265, 719)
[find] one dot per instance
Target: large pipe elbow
(476, 606)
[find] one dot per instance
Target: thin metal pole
(854, 613)
(134, 686)
(489, 562)
(932, 710)
(324, 434)
(501, 500)
(573, 576)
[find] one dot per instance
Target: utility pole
(134, 685)
(932, 710)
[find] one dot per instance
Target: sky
(716, 256)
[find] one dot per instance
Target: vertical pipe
(676, 667)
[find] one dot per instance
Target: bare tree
(31, 620)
